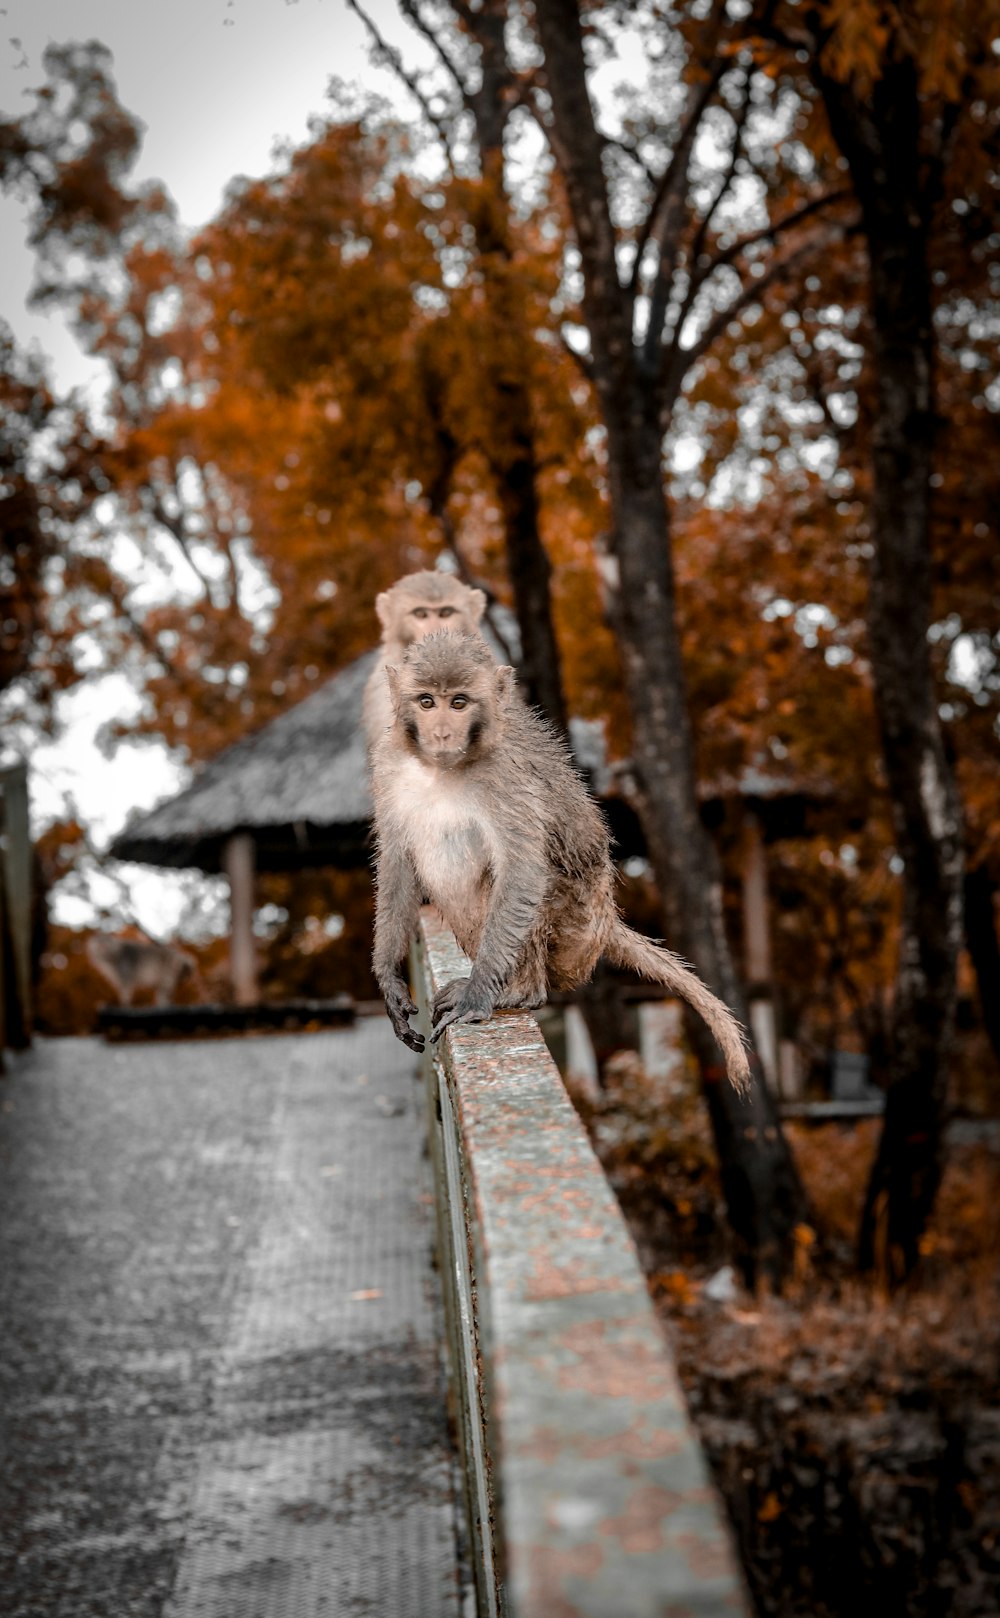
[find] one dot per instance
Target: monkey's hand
(400, 1007)
(447, 998)
(459, 1001)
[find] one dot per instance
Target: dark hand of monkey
(400, 1008)
(468, 1005)
(447, 998)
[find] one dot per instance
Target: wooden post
(238, 864)
(15, 906)
(756, 934)
(757, 948)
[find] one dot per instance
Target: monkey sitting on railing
(478, 808)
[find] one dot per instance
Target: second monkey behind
(415, 606)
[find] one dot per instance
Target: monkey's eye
(446, 612)
(426, 700)
(420, 612)
(460, 701)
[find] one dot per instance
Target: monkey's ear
(392, 675)
(477, 604)
(383, 606)
(504, 685)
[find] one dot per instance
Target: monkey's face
(428, 618)
(450, 699)
(445, 727)
(425, 604)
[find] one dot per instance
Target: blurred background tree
(623, 360)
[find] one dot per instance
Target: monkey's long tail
(661, 965)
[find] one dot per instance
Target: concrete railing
(587, 1491)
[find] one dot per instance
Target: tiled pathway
(219, 1334)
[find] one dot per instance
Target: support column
(15, 908)
(757, 949)
(238, 865)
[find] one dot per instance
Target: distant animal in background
(478, 808)
(419, 604)
(129, 965)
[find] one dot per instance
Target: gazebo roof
(298, 784)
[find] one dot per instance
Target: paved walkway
(219, 1328)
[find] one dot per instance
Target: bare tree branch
(149, 645)
(772, 230)
(678, 361)
(634, 156)
(736, 152)
(666, 272)
(498, 634)
(701, 272)
(577, 146)
(393, 58)
(820, 393)
(491, 605)
(226, 547)
(674, 177)
(411, 10)
(175, 528)
(696, 277)
(582, 361)
(221, 528)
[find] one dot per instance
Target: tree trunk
(512, 453)
(880, 138)
(984, 949)
(530, 573)
(763, 1194)
(764, 1197)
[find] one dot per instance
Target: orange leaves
(804, 1238)
(677, 1285)
(945, 38)
(770, 1508)
(859, 32)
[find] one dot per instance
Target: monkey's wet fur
(478, 809)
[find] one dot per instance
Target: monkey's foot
(400, 1008)
(466, 1005)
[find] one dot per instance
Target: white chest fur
(445, 832)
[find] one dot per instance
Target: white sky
(217, 83)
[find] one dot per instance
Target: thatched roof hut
(298, 786)
(292, 795)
